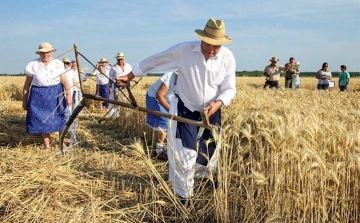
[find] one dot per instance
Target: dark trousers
(271, 84)
(188, 133)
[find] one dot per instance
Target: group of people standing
(273, 70)
(292, 75)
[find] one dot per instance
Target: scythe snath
(132, 105)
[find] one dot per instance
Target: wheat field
(286, 156)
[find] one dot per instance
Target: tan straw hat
(120, 56)
(274, 59)
(103, 60)
(44, 48)
(66, 60)
(213, 33)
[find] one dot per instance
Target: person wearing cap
(102, 82)
(272, 73)
(121, 68)
(158, 98)
(291, 72)
(46, 94)
(206, 81)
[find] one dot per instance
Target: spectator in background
(344, 78)
(158, 99)
(45, 103)
(297, 78)
(291, 71)
(272, 73)
(323, 75)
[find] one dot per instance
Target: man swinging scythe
(206, 81)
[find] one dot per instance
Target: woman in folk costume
(102, 82)
(158, 98)
(43, 94)
(206, 81)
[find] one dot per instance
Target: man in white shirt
(206, 80)
(121, 68)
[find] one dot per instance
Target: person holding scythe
(206, 81)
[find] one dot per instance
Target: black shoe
(160, 156)
(185, 201)
(209, 183)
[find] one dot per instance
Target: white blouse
(45, 75)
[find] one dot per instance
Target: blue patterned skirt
(154, 121)
(46, 110)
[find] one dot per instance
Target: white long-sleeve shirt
(199, 81)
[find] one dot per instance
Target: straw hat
(103, 60)
(213, 33)
(44, 48)
(274, 59)
(120, 56)
(66, 60)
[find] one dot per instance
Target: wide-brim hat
(274, 59)
(213, 33)
(44, 48)
(66, 60)
(120, 56)
(103, 60)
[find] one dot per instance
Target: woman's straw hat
(103, 60)
(120, 56)
(274, 59)
(66, 60)
(44, 48)
(213, 33)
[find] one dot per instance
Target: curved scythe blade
(71, 119)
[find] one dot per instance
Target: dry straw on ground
(287, 156)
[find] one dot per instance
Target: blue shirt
(343, 77)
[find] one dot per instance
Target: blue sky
(312, 31)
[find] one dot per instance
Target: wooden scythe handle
(205, 118)
(131, 96)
